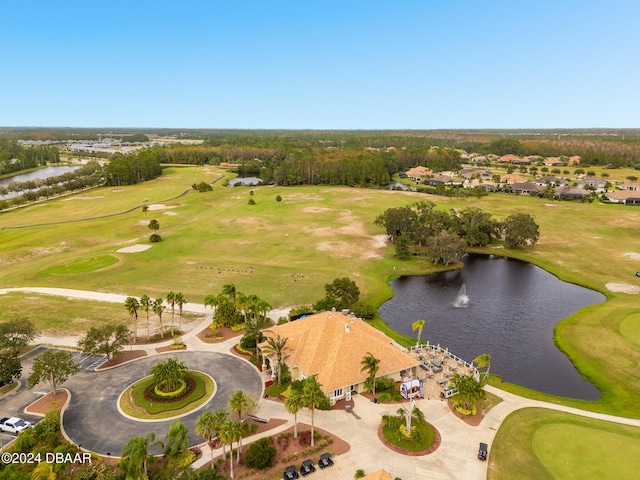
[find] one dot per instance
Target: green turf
(82, 265)
(426, 437)
(630, 328)
(536, 443)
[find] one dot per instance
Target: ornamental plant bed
(289, 451)
(150, 395)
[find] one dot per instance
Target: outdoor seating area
(437, 367)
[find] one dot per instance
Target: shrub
(25, 441)
(252, 201)
(385, 383)
(384, 397)
(155, 238)
(48, 429)
(170, 395)
(359, 474)
(248, 341)
(260, 454)
(364, 310)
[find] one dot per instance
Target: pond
(39, 174)
(504, 307)
(246, 181)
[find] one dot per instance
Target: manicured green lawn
(540, 444)
(82, 265)
(145, 409)
(630, 328)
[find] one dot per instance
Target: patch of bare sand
(160, 206)
(623, 288)
(317, 209)
(83, 198)
(301, 197)
(134, 248)
(632, 255)
(118, 190)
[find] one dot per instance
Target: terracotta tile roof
(379, 475)
(332, 345)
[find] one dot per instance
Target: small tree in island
(168, 376)
(54, 366)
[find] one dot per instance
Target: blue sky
(321, 64)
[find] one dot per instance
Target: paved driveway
(92, 418)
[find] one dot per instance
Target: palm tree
(158, 308)
(177, 440)
(132, 305)
(484, 361)
(211, 301)
(207, 427)
(254, 326)
(276, 347)
(312, 395)
(418, 325)
(145, 304)
(230, 290)
(180, 301)
(171, 300)
(168, 374)
(145, 209)
(293, 403)
(135, 455)
(242, 406)
(370, 364)
(228, 434)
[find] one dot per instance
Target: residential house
(508, 158)
(550, 180)
(526, 188)
(624, 196)
(553, 162)
(571, 193)
(331, 346)
(597, 184)
(417, 174)
(513, 178)
(635, 187)
(574, 160)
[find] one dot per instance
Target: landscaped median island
(141, 402)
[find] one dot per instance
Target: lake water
(511, 311)
(37, 174)
(246, 181)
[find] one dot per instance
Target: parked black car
(290, 473)
(325, 460)
(307, 467)
(482, 451)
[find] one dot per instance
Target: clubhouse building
(331, 346)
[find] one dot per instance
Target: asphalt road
(92, 418)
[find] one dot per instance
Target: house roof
(379, 475)
(419, 172)
(332, 345)
(513, 178)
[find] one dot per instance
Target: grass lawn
(540, 444)
(204, 389)
(427, 436)
(286, 252)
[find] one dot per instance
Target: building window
(337, 393)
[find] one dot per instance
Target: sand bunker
(632, 255)
(84, 198)
(623, 288)
(160, 206)
(134, 248)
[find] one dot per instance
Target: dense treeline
(444, 236)
(14, 157)
(132, 169)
